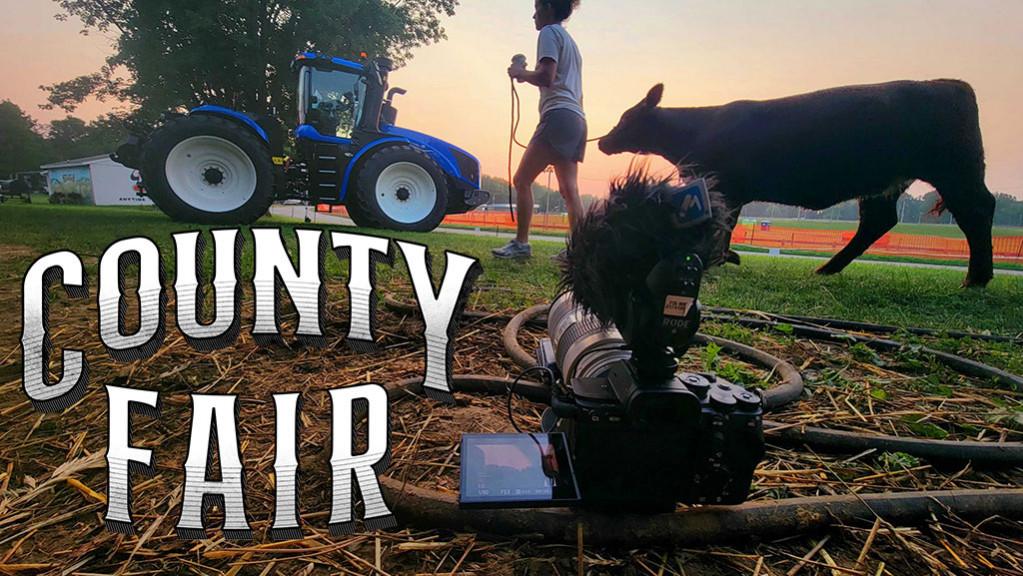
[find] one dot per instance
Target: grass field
(889, 294)
(55, 525)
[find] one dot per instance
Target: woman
(560, 139)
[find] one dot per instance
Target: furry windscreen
(618, 242)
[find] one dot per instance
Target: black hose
(396, 305)
(863, 326)
(511, 335)
(692, 526)
(964, 365)
(940, 453)
(792, 381)
(937, 452)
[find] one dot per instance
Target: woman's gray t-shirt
(567, 90)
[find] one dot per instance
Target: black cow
(816, 150)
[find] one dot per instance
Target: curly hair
(562, 8)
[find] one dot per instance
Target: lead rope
(511, 144)
(516, 116)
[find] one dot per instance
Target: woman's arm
(542, 77)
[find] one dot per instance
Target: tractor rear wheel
(401, 189)
(208, 170)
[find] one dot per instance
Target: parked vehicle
(15, 188)
(219, 166)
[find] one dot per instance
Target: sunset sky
(706, 52)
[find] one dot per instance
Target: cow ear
(653, 97)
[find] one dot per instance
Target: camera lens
(584, 347)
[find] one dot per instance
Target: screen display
(516, 470)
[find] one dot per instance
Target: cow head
(635, 126)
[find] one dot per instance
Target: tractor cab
(341, 99)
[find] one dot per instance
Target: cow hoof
(971, 283)
(828, 270)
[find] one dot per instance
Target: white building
(100, 180)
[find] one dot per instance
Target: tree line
(27, 144)
(179, 54)
(549, 201)
(910, 209)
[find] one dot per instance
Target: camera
(624, 430)
(640, 438)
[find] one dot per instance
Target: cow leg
(878, 215)
(973, 207)
(727, 255)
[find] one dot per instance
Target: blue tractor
(219, 166)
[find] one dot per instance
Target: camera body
(639, 441)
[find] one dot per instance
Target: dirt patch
(10, 252)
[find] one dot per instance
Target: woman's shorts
(565, 132)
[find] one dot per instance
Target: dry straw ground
(53, 476)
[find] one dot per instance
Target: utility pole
(547, 209)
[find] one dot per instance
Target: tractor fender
(441, 157)
(361, 155)
(441, 152)
(233, 115)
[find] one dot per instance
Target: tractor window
(332, 100)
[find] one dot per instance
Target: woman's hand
(515, 72)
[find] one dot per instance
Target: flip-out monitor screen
(516, 471)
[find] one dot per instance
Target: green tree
(548, 200)
(174, 53)
(73, 138)
(21, 146)
(1008, 210)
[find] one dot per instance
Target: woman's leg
(537, 157)
(568, 184)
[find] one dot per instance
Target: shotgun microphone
(519, 60)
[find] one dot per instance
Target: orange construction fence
(1006, 248)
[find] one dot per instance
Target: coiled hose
(714, 524)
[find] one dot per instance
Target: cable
(511, 392)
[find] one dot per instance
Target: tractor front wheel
(401, 189)
(208, 170)
(359, 216)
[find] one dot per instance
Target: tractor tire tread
(159, 144)
(363, 198)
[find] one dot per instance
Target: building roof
(77, 162)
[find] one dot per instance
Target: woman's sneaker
(513, 250)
